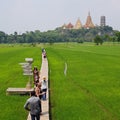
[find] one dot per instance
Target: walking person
(44, 87)
(33, 105)
(36, 75)
(38, 93)
(43, 50)
(44, 53)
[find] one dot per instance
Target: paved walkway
(45, 104)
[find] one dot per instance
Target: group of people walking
(40, 85)
(41, 88)
(33, 104)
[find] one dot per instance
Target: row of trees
(63, 35)
(110, 38)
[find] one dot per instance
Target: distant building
(78, 24)
(102, 21)
(89, 23)
(69, 26)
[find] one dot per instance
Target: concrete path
(20, 91)
(45, 104)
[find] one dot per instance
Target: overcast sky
(43, 15)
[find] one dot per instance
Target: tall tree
(15, 37)
(118, 36)
(98, 40)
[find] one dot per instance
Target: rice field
(90, 89)
(11, 75)
(83, 79)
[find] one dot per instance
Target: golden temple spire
(78, 24)
(89, 23)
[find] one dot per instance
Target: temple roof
(69, 26)
(89, 23)
(78, 24)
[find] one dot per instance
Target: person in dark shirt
(33, 105)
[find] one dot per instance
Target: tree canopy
(61, 35)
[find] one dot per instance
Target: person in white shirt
(44, 87)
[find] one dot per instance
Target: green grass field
(11, 75)
(89, 89)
